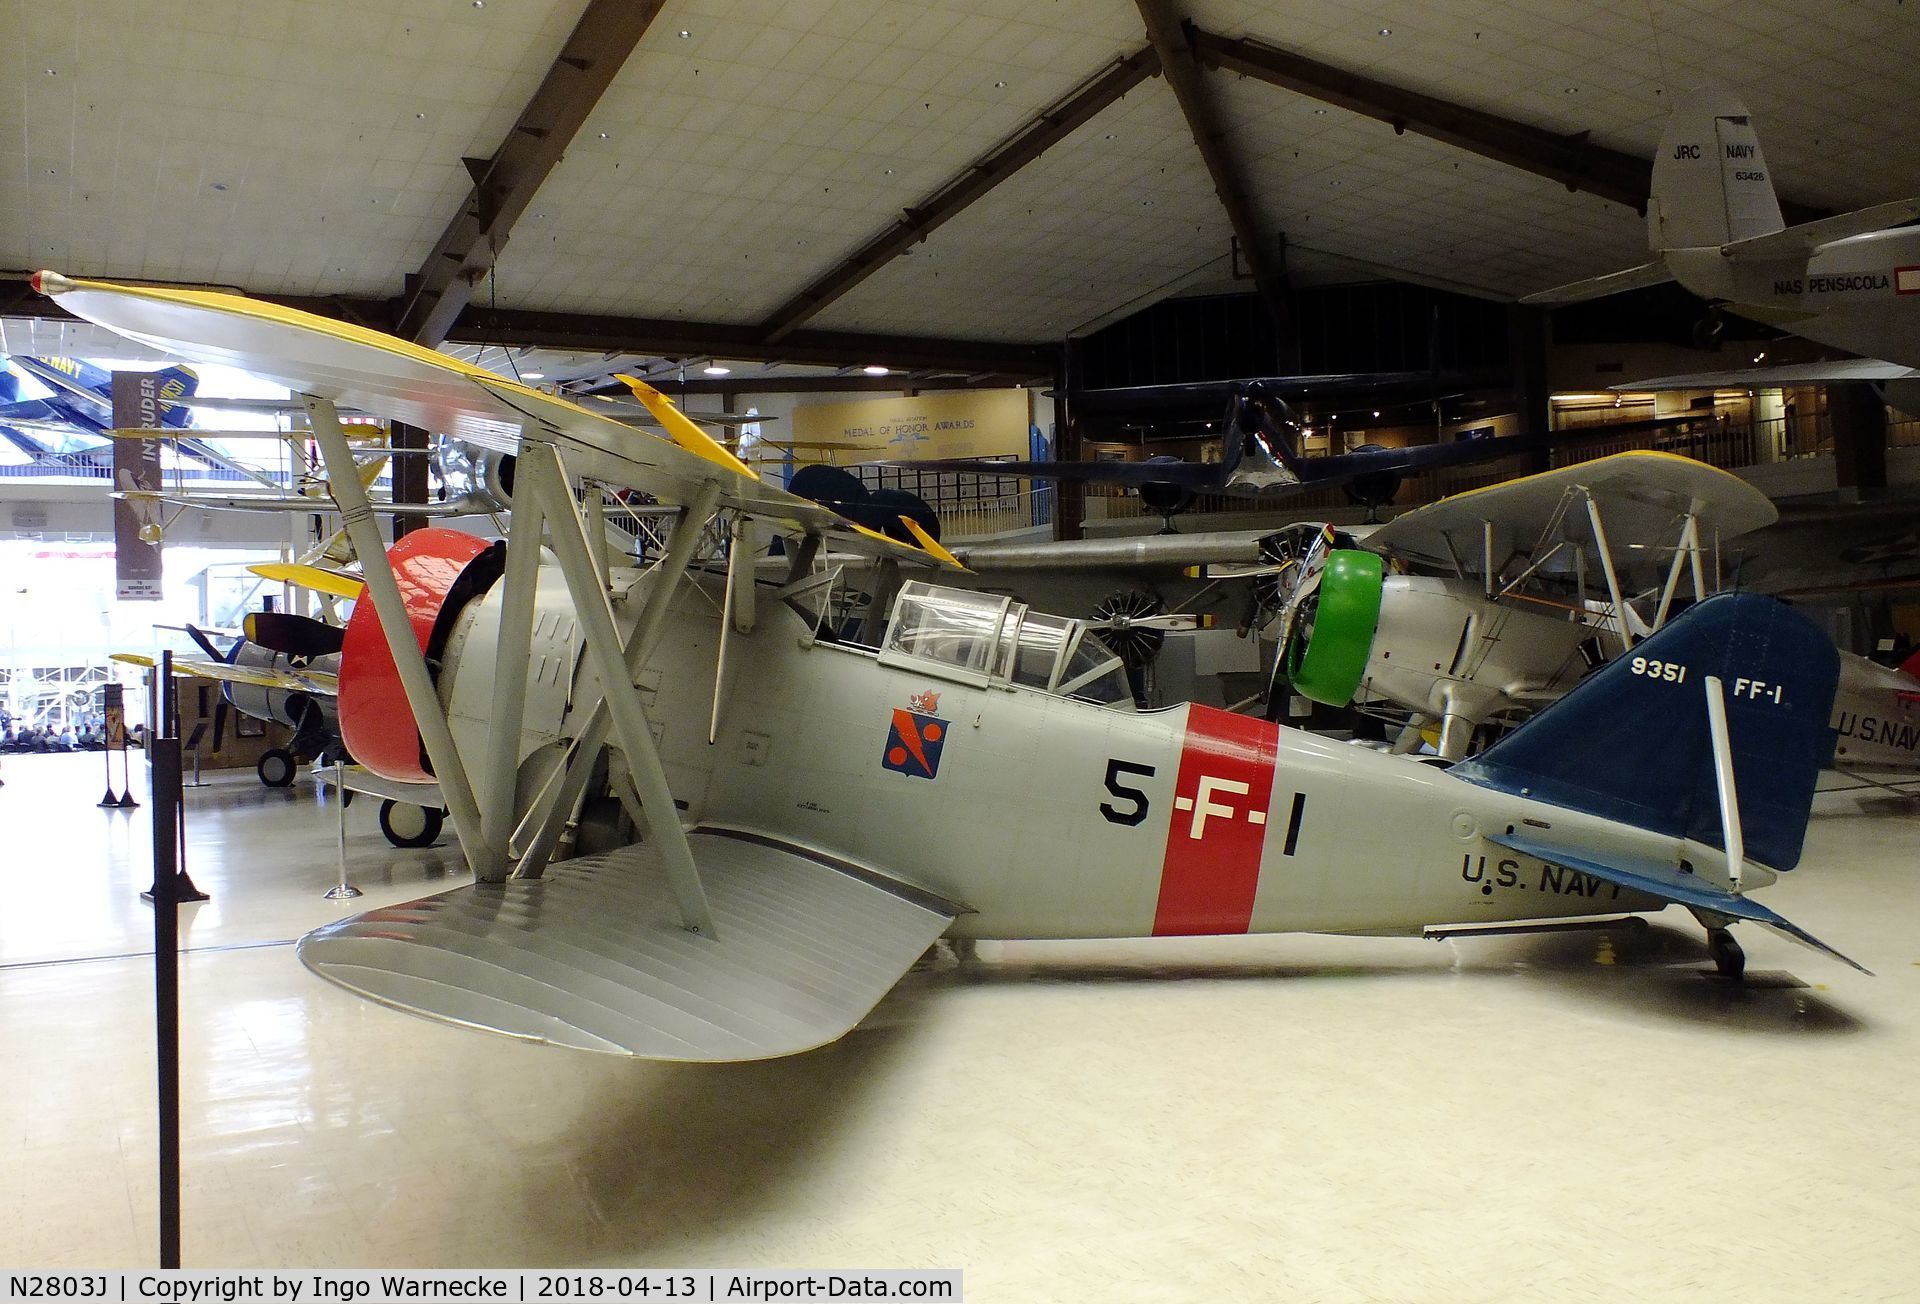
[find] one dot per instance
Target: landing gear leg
(1728, 958)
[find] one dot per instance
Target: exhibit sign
(137, 405)
(115, 701)
(954, 423)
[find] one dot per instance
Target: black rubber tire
(1727, 956)
(430, 823)
(277, 767)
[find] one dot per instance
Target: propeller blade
(199, 636)
(296, 636)
(220, 722)
(1170, 621)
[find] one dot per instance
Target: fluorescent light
(875, 371)
(533, 375)
(716, 370)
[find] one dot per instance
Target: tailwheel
(1727, 956)
(276, 767)
(407, 825)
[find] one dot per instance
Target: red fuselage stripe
(1219, 825)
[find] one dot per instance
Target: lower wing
(591, 955)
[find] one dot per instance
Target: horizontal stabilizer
(1797, 241)
(592, 955)
(1669, 884)
(1634, 278)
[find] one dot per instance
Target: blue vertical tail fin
(177, 383)
(1631, 742)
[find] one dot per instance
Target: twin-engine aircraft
(813, 809)
(1714, 225)
(1261, 456)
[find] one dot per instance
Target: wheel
(1728, 958)
(407, 825)
(276, 767)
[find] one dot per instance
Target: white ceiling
(314, 146)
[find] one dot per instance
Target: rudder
(1710, 182)
(1631, 741)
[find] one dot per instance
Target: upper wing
(1802, 239)
(1799, 373)
(1633, 278)
(803, 948)
(356, 367)
(1642, 496)
(465, 505)
(1198, 476)
(1141, 551)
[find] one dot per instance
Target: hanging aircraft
(836, 792)
(1261, 457)
(78, 415)
(1714, 225)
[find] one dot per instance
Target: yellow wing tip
(681, 427)
(931, 544)
(309, 577)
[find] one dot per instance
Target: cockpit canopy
(984, 638)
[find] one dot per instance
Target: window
(985, 639)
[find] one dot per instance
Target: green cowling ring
(1329, 669)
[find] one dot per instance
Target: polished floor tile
(1570, 1117)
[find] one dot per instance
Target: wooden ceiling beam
(505, 184)
(654, 337)
(1172, 37)
(953, 198)
(1571, 159)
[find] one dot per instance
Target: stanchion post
(343, 890)
(115, 709)
(163, 754)
(166, 718)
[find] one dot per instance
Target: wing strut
(356, 514)
(739, 553)
(1613, 580)
(1688, 549)
(593, 734)
(513, 653)
(630, 725)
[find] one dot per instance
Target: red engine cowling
(438, 570)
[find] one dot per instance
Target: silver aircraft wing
(355, 367)
(1793, 373)
(1642, 494)
(592, 954)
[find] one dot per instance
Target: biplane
(1501, 599)
(805, 815)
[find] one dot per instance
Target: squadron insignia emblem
(916, 738)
